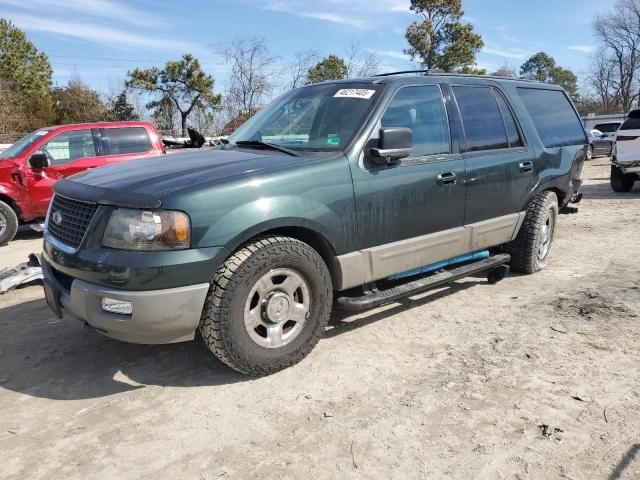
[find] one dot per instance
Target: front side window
(554, 117)
(484, 128)
(322, 117)
(122, 141)
(422, 110)
(69, 146)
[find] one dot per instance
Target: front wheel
(621, 182)
(530, 250)
(8, 224)
(590, 152)
(268, 306)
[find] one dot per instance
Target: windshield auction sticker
(354, 93)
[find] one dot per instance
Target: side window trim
(479, 153)
(412, 160)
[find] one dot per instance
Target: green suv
(347, 189)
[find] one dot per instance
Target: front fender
(251, 219)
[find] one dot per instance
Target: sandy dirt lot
(537, 377)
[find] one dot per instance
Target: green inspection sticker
(333, 139)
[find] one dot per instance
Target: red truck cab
(30, 167)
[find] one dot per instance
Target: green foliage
(543, 68)
(21, 63)
(329, 68)
(25, 79)
(441, 40)
(183, 82)
(121, 110)
(77, 103)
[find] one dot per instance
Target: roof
(76, 126)
(420, 77)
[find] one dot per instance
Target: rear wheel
(268, 306)
(530, 250)
(8, 223)
(621, 182)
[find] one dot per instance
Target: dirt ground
(537, 377)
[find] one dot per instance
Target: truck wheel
(8, 224)
(268, 306)
(621, 182)
(530, 250)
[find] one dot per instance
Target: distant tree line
(181, 94)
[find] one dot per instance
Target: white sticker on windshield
(355, 93)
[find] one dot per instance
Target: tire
(250, 288)
(590, 152)
(8, 224)
(621, 182)
(531, 248)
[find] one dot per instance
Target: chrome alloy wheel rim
(277, 308)
(3, 224)
(546, 236)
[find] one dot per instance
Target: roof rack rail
(426, 72)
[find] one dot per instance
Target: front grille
(71, 224)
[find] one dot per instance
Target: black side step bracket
(497, 265)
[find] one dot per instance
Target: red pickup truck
(30, 167)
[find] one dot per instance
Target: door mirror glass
(394, 143)
(38, 161)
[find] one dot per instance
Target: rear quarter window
(553, 116)
(121, 141)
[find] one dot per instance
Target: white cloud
(360, 14)
(583, 48)
(398, 55)
(99, 34)
(102, 9)
(506, 53)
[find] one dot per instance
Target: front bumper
(159, 316)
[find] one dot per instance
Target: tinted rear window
(484, 128)
(607, 127)
(120, 141)
(631, 123)
(553, 116)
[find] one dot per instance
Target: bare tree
(619, 33)
(252, 73)
(360, 63)
(296, 71)
(603, 81)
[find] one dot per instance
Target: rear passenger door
(124, 143)
(501, 168)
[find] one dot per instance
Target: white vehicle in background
(625, 168)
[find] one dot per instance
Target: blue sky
(100, 40)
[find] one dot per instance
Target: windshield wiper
(272, 146)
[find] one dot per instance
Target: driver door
(68, 153)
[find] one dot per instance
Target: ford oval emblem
(57, 218)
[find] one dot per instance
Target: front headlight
(147, 230)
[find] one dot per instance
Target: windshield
(21, 145)
(315, 118)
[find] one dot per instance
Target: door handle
(526, 167)
(447, 178)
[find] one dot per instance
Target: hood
(141, 183)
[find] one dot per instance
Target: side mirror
(38, 161)
(394, 144)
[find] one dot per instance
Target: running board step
(497, 265)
